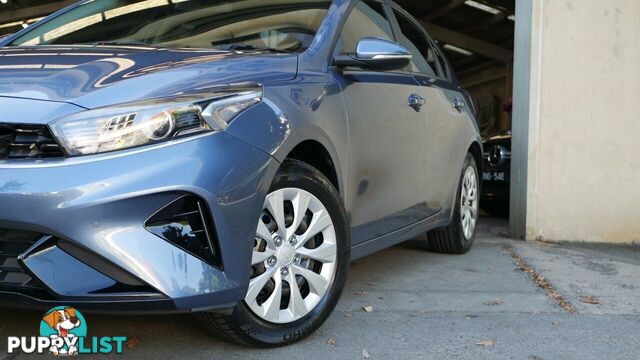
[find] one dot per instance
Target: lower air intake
(14, 243)
(185, 223)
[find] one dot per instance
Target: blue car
(226, 158)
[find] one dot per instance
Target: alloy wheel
(294, 256)
(469, 202)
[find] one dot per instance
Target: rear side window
(367, 19)
(424, 58)
(443, 63)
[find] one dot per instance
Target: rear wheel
(299, 263)
(458, 237)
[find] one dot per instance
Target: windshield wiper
(249, 47)
(121, 43)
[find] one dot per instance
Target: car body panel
(386, 154)
(22, 111)
(448, 133)
(93, 77)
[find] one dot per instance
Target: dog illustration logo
(64, 323)
(63, 332)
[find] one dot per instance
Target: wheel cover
(469, 202)
(294, 256)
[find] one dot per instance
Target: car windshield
(283, 25)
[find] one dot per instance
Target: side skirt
(396, 237)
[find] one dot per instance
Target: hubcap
(469, 202)
(289, 278)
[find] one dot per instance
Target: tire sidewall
(299, 175)
(465, 243)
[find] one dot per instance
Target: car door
(444, 111)
(386, 189)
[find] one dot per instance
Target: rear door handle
(416, 102)
(458, 104)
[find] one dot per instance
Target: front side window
(278, 24)
(424, 59)
(367, 19)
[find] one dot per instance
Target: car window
(441, 61)
(424, 59)
(281, 24)
(367, 19)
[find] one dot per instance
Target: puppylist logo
(63, 332)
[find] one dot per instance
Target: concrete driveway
(501, 301)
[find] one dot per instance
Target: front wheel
(457, 238)
(299, 263)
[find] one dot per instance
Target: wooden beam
(33, 11)
(485, 79)
(508, 6)
(465, 62)
(474, 69)
(473, 27)
(470, 43)
(444, 9)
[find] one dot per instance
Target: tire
(275, 323)
(453, 239)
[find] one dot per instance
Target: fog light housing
(185, 223)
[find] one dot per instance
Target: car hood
(95, 76)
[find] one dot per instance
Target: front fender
(309, 109)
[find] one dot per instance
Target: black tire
(242, 326)
(451, 239)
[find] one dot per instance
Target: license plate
(494, 176)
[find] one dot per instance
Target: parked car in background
(227, 158)
(496, 174)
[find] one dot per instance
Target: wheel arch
(314, 153)
(476, 150)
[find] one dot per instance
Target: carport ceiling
(482, 29)
(473, 32)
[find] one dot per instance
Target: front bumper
(90, 247)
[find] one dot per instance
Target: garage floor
(425, 305)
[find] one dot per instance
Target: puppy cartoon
(62, 321)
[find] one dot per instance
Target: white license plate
(494, 176)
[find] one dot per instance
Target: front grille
(13, 243)
(27, 142)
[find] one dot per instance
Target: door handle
(416, 102)
(458, 104)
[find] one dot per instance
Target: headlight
(137, 124)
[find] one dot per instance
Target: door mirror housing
(376, 54)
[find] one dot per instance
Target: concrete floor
(428, 305)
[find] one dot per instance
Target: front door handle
(458, 104)
(416, 102)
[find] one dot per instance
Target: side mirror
(376, 54)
